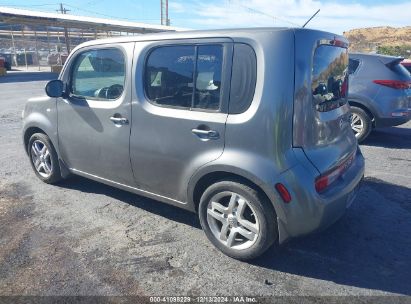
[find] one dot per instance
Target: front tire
(361, 123)
(43, 158)
(237, 219)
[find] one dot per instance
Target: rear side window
(353, 65)
(186, 76)
(98, 74)
(243, 79)
(329, 77)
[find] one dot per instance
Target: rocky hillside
(371, 39)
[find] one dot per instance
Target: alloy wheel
(357, 124)
(41, 158)
(232, 220)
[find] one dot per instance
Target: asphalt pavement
(84, 238)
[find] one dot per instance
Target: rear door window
(329, 77)
(208, 77)
(185, 76)
(169, 76)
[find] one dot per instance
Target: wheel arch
(359, 104)
(29, 132)
(201, 182)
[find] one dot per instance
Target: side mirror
(55, 88)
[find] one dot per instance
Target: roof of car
(187, 34)
(220, 33)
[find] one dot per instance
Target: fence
(26, 47)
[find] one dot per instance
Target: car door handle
(119, 120)
(206, 134)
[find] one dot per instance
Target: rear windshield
(399, 69)
(329, 77)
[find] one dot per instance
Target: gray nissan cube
(248, 128)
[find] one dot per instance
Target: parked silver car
(249, 128)
(379, 92)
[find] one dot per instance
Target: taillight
(325, 180)
(339, 43)
(394, 84)
(322, 182)
(282, 190)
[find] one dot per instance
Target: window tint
(329, 77)
(99, 74)
(185, 76)
(169, 75)
(243, 78)
(353, 65)
(208, 77)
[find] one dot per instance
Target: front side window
(329, 77)
(98, 74)
(186, 76)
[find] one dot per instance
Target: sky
(335, 16)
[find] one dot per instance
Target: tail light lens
(394, 84)
(323, 181)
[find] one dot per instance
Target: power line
(253, 10)
(100, 14)
(31, 5)
(78, 9)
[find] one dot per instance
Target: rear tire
(237, 219)
(361, 123)
(43, 158)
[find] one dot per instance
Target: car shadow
(28, 76)
(370, 247)
(168, 211)
(391, 137)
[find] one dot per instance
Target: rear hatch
(321, 125)
(394, 85)
(396, 71)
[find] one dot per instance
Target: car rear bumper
(309, 211)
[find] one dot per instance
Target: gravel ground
(84, 238)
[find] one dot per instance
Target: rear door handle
(119, 120)
(206, 134)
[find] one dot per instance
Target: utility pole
(66, 35)
(164, 12)
(62, 9)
